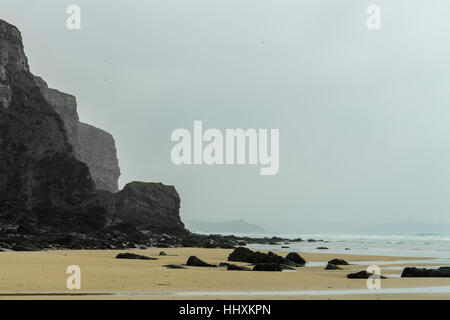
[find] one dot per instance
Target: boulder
(295, 258)
(193, 261)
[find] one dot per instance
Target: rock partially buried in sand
(286, 267)
(234, 267)
(162, 253)
(338, 262)
(364, 275)
(331, 266)
(224, 264)
(267, 267)
(174, 266)
(128, 255)
(412, 272)
(193, 261)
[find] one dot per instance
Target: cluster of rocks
(260, 261)
(266, 261)
(412, 272)
(119, 236)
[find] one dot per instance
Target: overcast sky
(364, 115)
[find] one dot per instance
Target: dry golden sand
(44, 272)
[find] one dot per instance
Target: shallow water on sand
(440, 289)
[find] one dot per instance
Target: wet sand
(37, 273)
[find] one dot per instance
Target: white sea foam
(407, 245)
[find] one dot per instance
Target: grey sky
(364, 116)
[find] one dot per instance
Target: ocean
(406, 245)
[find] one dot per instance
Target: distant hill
(236, 226)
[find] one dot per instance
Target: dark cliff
(46, 187)
(41, 181)
(91, 145)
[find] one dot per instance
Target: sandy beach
(41, 275)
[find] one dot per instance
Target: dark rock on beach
(331, 266)
(242, 254)
(412, 272)
(224, 264)
(338, 262)
(295, 258)
(246, 255)
(363, 275)
(196, 262)
(267, 267)
(235, 267)
(174, 266)
(128, 255)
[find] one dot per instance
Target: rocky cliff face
(41, 181)
(91, 145)
(48, 195)
(98, 150)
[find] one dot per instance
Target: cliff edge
(58, 175)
